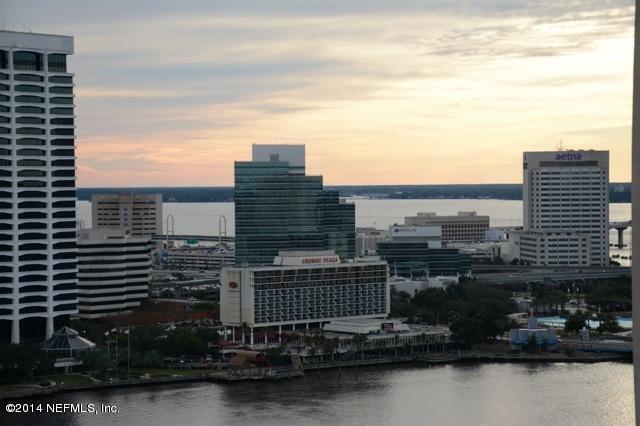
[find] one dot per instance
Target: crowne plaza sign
(320, 260)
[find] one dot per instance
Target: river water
(204, 218)
(484, 394)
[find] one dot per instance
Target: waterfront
(489, 394)
(202, 218)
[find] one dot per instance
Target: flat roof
(36, 41)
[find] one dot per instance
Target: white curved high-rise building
(37, 185)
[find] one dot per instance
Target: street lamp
(115, 330)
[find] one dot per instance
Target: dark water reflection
(490, 394)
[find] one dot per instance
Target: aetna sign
(568, 156)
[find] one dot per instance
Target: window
(62, 142)
(30, 120)
(27, 77)
(36, 163)
(30, 141)
(32, 184)
(57, 62)
(30, 131)
(61, 79)
(62, 120)
(30, 61)
(61, 100)
(63, 132)
(31, 151)
(61, 111)
(5, 119)
(4, 59)
(67, 90)
(30, 99)
(28, 88)
(30, 110)
(31, 173)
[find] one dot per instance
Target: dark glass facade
(278, 207)
(417, 259)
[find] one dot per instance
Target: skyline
(429, 92)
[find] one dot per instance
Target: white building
(303, 289)
(417, 234)
(37, 185)
(139, 214)
(565, 208)
(367, 240)
(114, 271)
(465, 226)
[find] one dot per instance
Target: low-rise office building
(367, 240)
(138, 214)
(302, 289)
(114, 271)
(465, 226)
(416, 251)
(551, 248)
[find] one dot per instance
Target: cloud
(380, 91)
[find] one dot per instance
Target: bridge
(187, 237)
(620, 227)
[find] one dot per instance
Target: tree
(20, 362)
(609, 324)
(183, 341)
(94, 360)
(468, 330)
(532, 343)
(575, 322)
(152, 359)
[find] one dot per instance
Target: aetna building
(565, 209)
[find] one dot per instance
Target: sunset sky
(170, 93)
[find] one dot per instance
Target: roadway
(549, 276)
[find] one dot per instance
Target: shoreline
(28, 392)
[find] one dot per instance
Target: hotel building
(114, 271)
(278, 207)
(139, 214)
(565, 208)
(465, 226)
(37, 186)
(302, 289)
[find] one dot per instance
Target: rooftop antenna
(559, 146)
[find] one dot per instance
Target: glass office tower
(278, 207)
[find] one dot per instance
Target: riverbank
(228, 377)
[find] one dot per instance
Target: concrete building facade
(465, 226)
(37, 186)
(140, 215)
(114, 271)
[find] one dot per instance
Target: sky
(171, 93)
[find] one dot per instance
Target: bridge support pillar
(620, 237)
